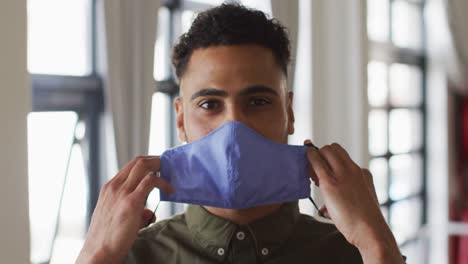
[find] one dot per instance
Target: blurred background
(86, 85)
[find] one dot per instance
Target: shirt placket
(242, 248)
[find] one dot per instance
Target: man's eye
(210, 105)
(259, 102)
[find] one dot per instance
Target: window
(396, 90)
(47, 174)
(63, 128)
(59, 37)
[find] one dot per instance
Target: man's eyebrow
(208, 92)
(246, 91)
(258, 89)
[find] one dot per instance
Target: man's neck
(244, 216)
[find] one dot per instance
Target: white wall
(330, 89)
(440, 144)
(339, 84)
(14, 106)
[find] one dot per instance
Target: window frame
(83, 95)
(389, 53)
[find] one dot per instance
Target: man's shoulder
(170, 226)
(316, 229)
(316, 226)
(158, 241)
(324, 237)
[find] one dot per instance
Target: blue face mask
(235, 167)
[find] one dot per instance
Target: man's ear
(178, 106)
(290, 113)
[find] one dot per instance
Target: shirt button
(265, 251)
(220, 251)
(240, 235)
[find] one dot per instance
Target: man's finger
(320, 166)
(369, 179)
(312, 174)
(109, 190)
(332, 158)
(147, 217)
(150, 182)
(324, 212)
(140, 170)
(344, 155)
(125, 171)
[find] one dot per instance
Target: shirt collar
(213, 232)
(281, 221)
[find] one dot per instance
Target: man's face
(234, 83)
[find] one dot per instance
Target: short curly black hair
(232, 24)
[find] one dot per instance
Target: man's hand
(351, 203)
(120, 211)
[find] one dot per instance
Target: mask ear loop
(316, 207)
(154, 214)
(310, 197)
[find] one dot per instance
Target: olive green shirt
(286, 236)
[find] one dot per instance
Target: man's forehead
(232, 68)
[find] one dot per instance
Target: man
(232, 66)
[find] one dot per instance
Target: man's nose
(236, 113)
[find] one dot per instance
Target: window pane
(377, 132)
(159, 142)
(379, 170)
(416, 251)
(377, 83)
(264, 6)
(406, 24)
(210, 2)
(378, 20)
(59, 38)
(405, 85)
(159, 128)
(406, 174)
(162, 50)
(72, 228)
(384, 211)
(50, 137)
(187, 18)
(405, 130)
(405, 218)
